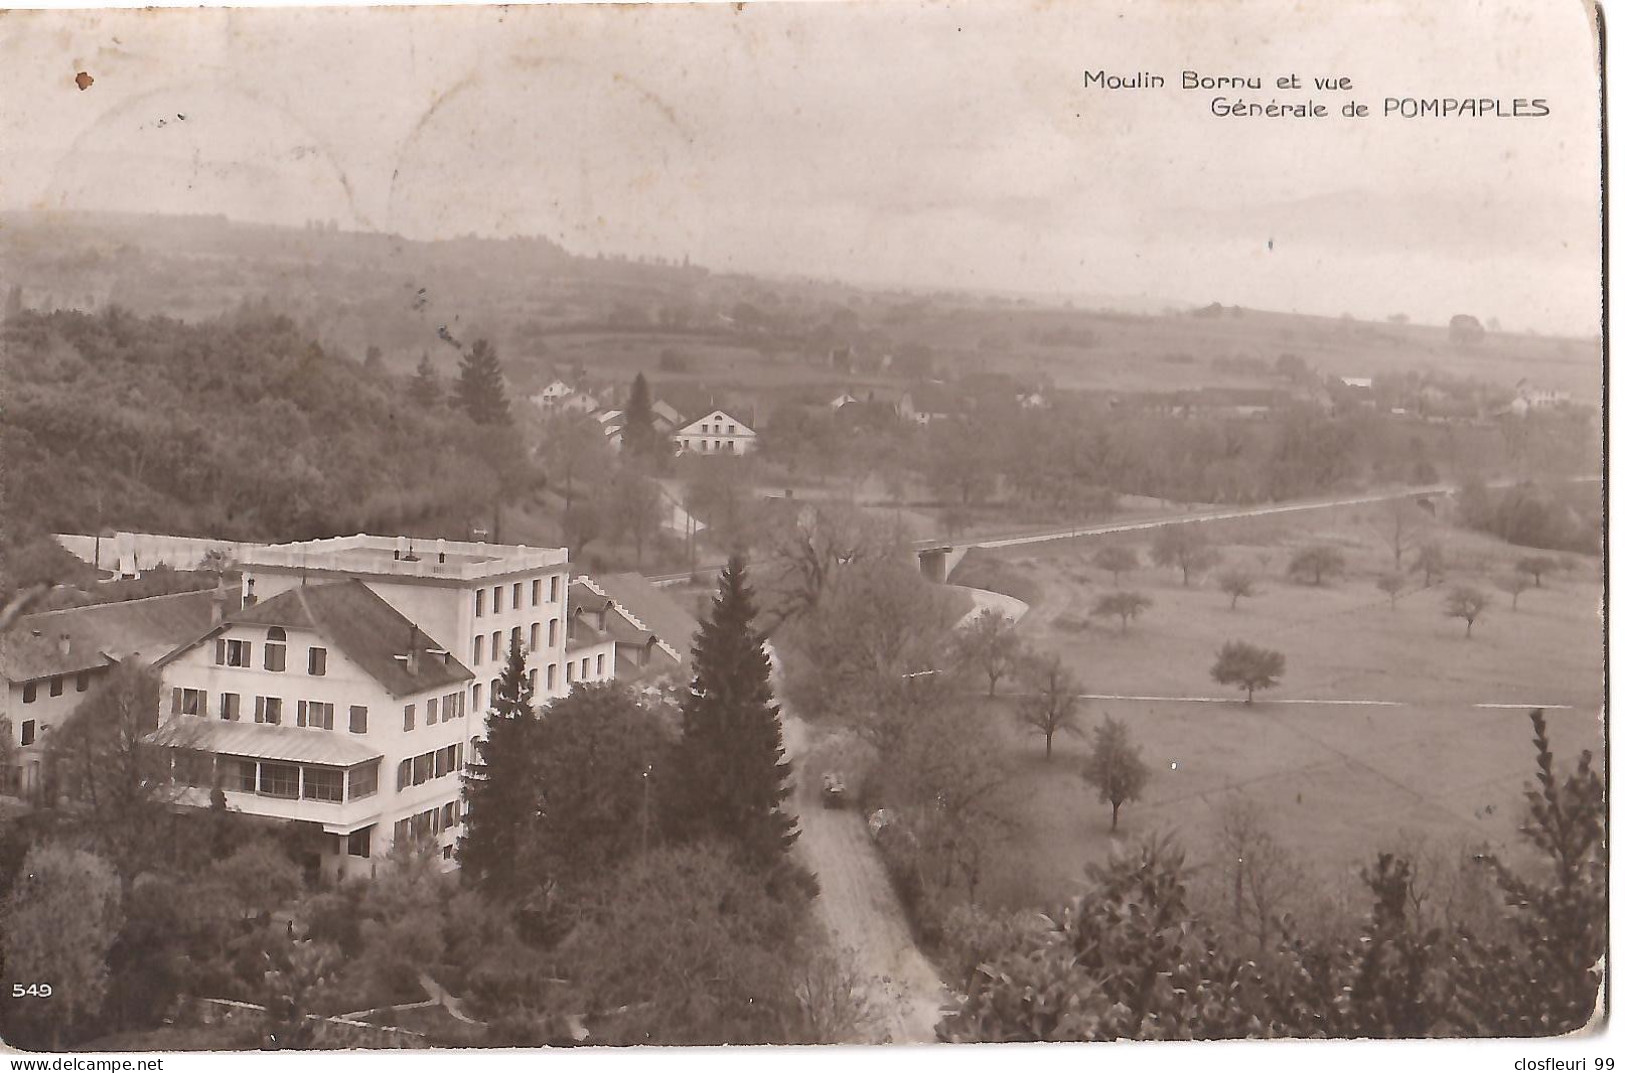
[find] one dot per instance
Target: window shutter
(248, 653)
(302, 707)
(259, 709)
(219, 651)
(175, 701)
(203, 702)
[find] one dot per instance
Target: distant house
(898, 403)
(1531, 399)
(1359, 383)
(552, 397)
(577, 402)
(667, 419)
(1032, 400)
(933, 402)
(715, 433)
(50, 660)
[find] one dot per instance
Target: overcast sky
(949, 144)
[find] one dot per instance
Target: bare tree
(1125, 605)
(1236, 583)
(1536, 566)
(1401, 523)
(1429, 562)
(990, 644)
(1114, 768)
(811, 543)
(1392, 585)
(1515, 585)
(1259, 872)
(1117, 560)
(1186, 547)
(1315, 564)
(1468, 604)
(1053, 706)
(1248, 666)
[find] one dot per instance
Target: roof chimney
(64, 643)
(440, 549)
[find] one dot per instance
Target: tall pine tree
(639, 437)
(502, 795)
(479, 391)
(731, 775)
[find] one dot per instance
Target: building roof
(363, 626)
(260, 741)
(98, 634)
(649, 608)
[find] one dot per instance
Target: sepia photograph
(677, 525)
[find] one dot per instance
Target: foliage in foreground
(1131, 959)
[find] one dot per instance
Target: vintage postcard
(577, 525)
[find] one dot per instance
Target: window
(552, 676)
(535, 636)
(732, 429)
(194, 702)
(583, 666)
(497, 655)
(600, 667)
(276, 649)
(570, 671)
(279, 780)
(535, 591)
(479, 604)
(360, 843)
(358, 718)
(81, 682)
(28, 731)
(422, 768)
(247, 776)
(318, 715)
(401, 832)
(403, 775)
(553, 633)
(530, 676)
(496, 600)
(323, 784)
(431, 711)
(448, 706)
(477, 706)
(448, 815)
(230, 706)
(268, 710)
(56, 686)
(479, 649)
(30, 691)
(445, 853)
(318, 661)
(239, 654)
(513, 638)
(553, 589)
(495, 689)
(363, 781)
(411, 717)
(442, 759)
(518, 591)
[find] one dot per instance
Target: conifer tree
(502, 796)
(734, 778)
(425, 386)
(639, 437)
(479, 391)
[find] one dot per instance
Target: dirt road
(861, 912)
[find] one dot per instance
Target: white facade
(343, 767)
(550, 398)
(715, 433)
(468, 596)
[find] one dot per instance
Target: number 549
(30, 990)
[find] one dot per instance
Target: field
(1337, 781)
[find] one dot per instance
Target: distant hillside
(742, 340)
(239, 428)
